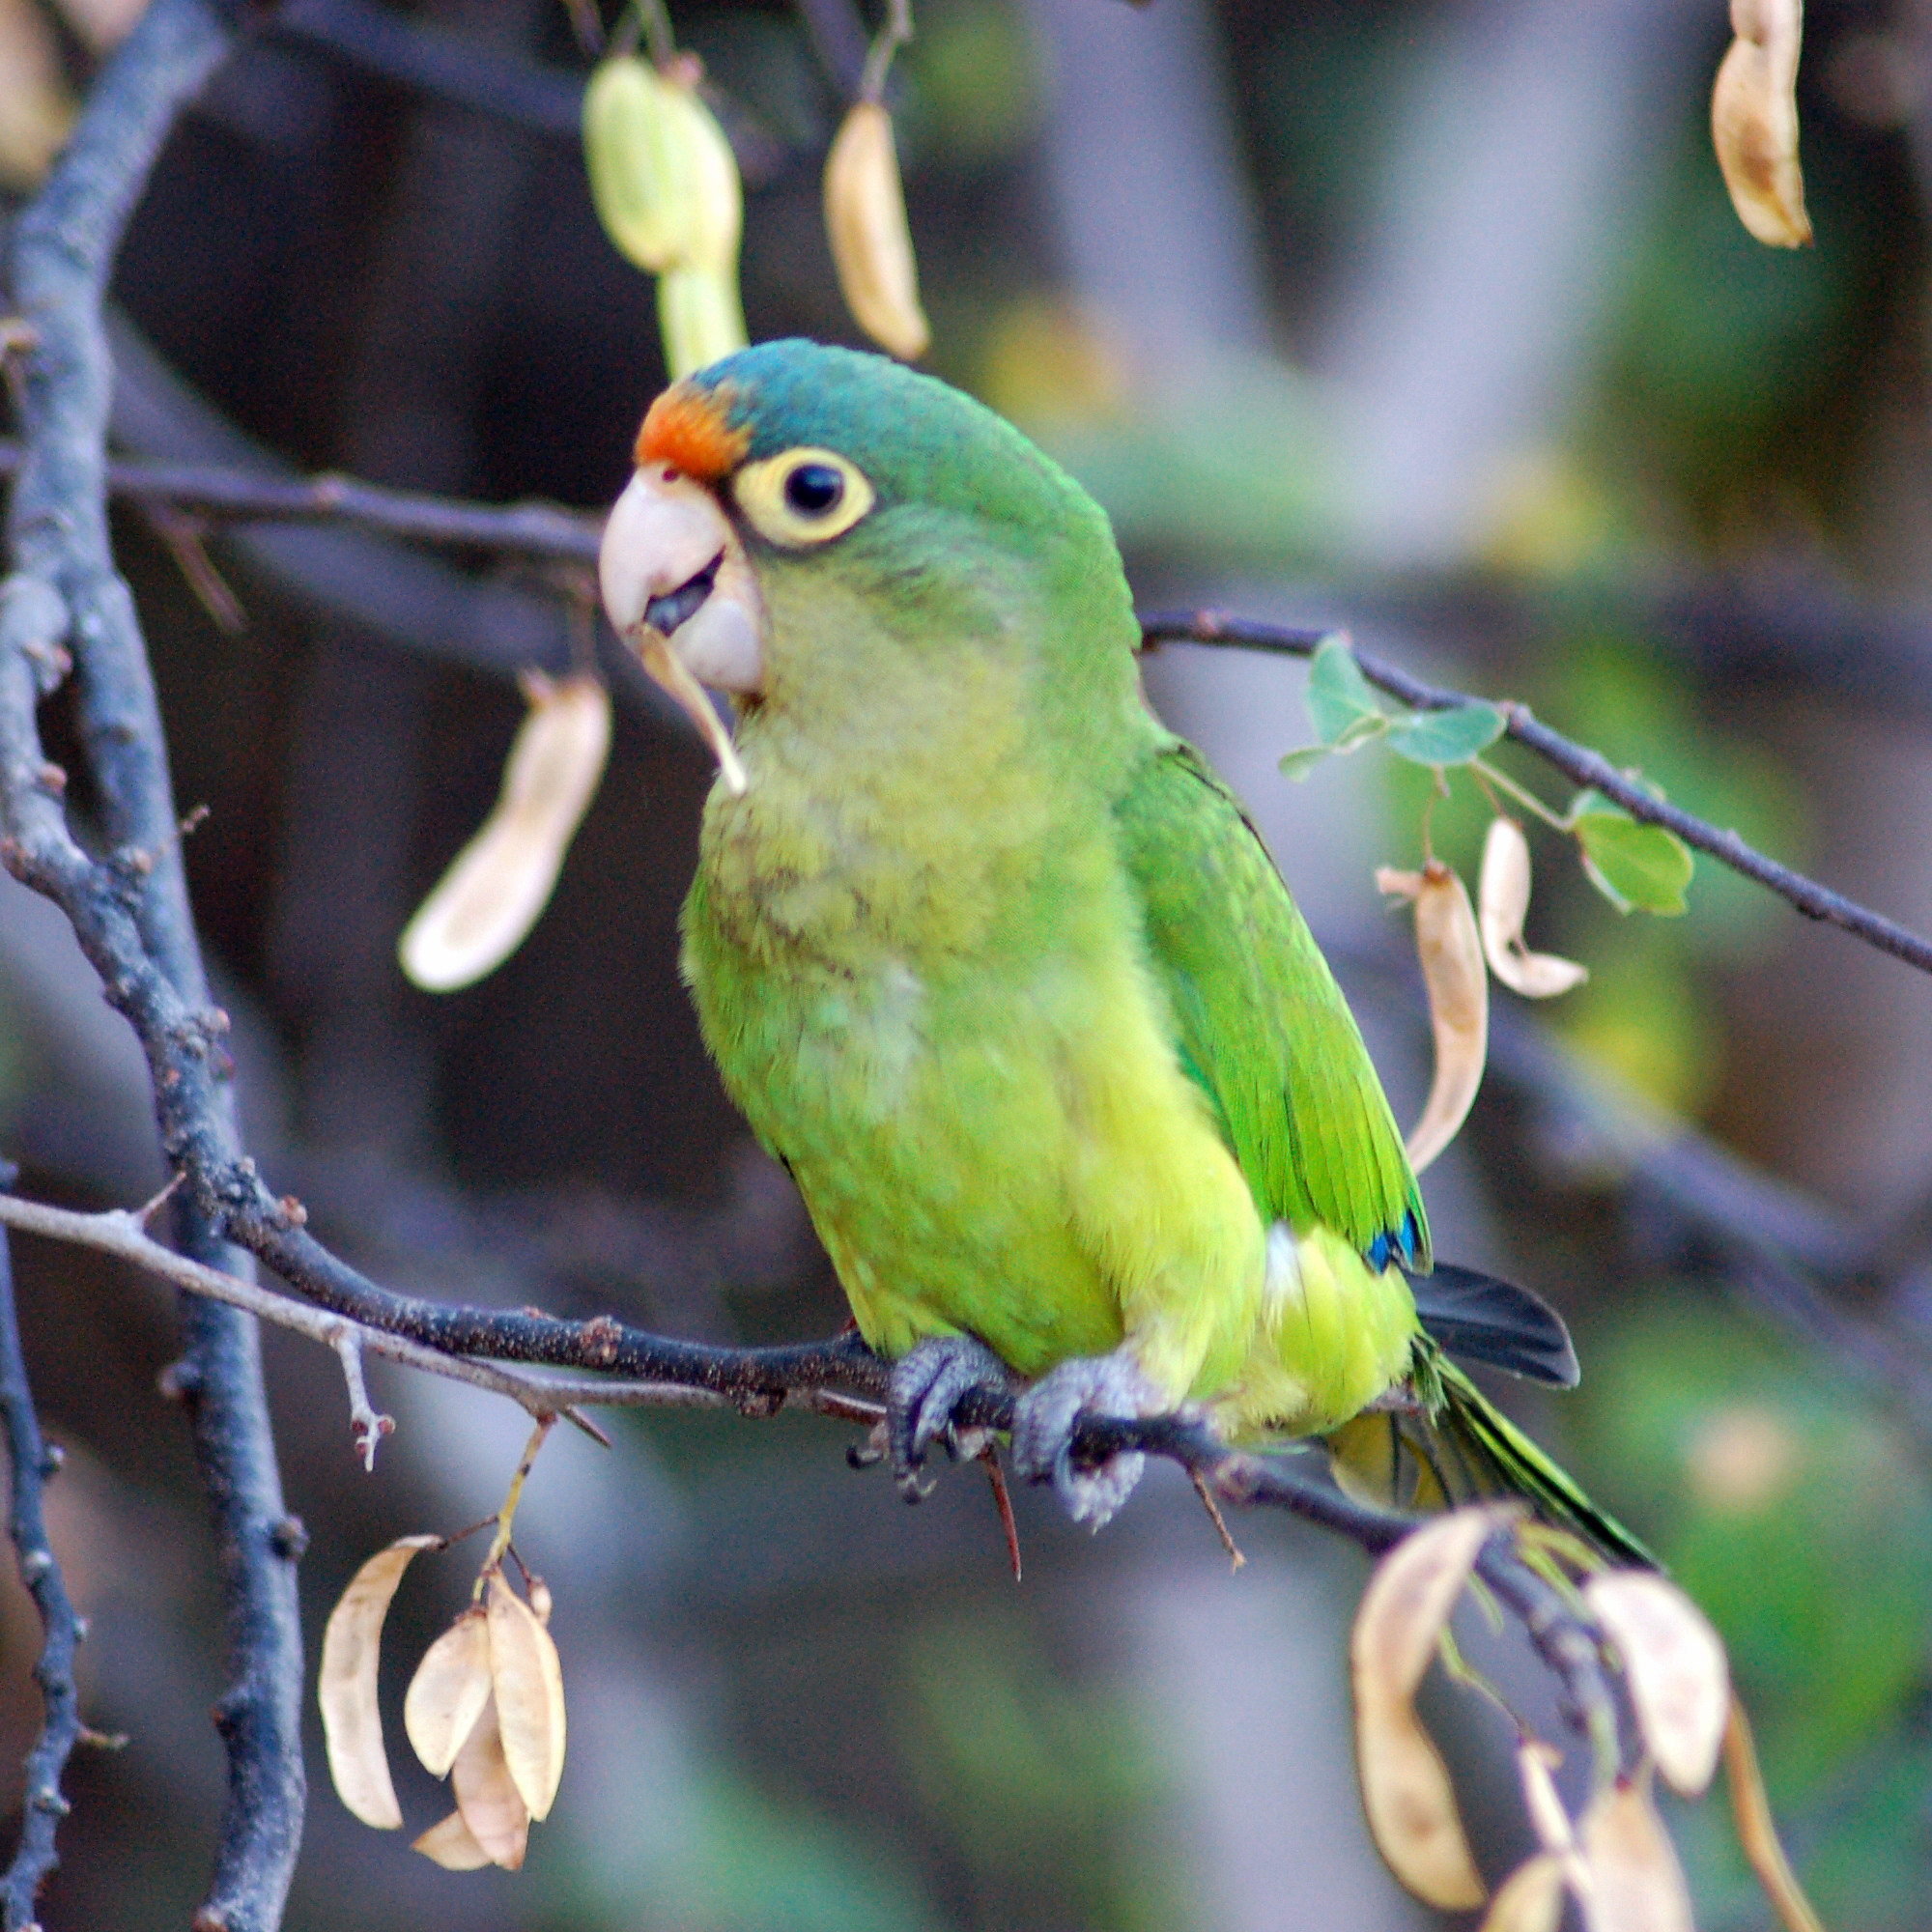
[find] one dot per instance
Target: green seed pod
(663, 175)
(700, 317)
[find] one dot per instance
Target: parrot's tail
(1459, 1448)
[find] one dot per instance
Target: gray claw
(1043, 1420)
(926, 1386)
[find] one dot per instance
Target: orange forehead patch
(687, 428)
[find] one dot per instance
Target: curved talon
(926, 1386)
(1043, 1421)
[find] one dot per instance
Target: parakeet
(996, 966)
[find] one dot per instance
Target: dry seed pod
(1451, 949)
(528, 1684)
(871, 245)
(351, 1649)
(452, 1845)
(504, 878)
(448, 1692)
(1635, 1884)
(1674, 1662)
(1405, 1791)
(1534, 1762)
(1531, 1900)
(487, 1797)
(36, 108)
(1502, 897)
(1754, 121)
(1412, 1807)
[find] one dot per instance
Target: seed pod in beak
(871, 245)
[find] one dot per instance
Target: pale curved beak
(679, 589)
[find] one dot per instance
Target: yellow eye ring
(803, 497)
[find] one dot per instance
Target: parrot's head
(792, 480)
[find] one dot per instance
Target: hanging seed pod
(351, 1649)
(487, 1798)
(1451, 949)
(1531, 1900)
(1674, 1662)
(448, 1692)
(1405, 1789)
(871, 245)
(1754, 121)
(700, 317)
(1503, 899)
(504, 878)
(528, 1684)
(1635, 1884)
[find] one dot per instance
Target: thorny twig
(1574, 761)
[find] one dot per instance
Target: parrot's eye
(803, 497)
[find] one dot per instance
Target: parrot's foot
(927, 1387)
(1043, 1420)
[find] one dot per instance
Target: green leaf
(1302, 760)
(1641, 868)
(1447, 737)
(1337, 695)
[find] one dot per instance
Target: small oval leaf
(487, 1797)
(527, 1679)
(448, 1692)
(1636, 1882)
(1451, 737)
(1502, 899)
(346, 1689)
(452, 1845)
(1674, 1662)
(1634, 867)
(1531, 1900)
(1299, 763)
(1337, 695)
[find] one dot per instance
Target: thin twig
(1574, 761)
(364, 1423)
(31, 1464)
(64, 590)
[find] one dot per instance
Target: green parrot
(997, 967)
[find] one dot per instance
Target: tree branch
(1576, 762)
(32, 1464)
(64, 587)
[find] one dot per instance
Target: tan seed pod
(36, 108)
(1635, 1884)
(504, 878)
(1411, 1807)
(1534, 1762)
(1451, 951)
(1531, 1899)
(351, 1650)
(448, 1692)
(1405, 1791)
(872, 245)
(527, 1679)
(1754, 121)
(487, 1798)
(1502, 899)
(452, 1845)
(1674, 1662)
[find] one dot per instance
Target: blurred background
(1428, 318)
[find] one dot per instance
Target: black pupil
(814, 488)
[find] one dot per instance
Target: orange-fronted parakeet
(996, 966)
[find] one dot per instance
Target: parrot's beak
(678, 588)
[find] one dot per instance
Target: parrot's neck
(906, 804)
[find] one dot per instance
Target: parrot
(999, 969)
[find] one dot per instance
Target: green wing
(1263, 1027)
